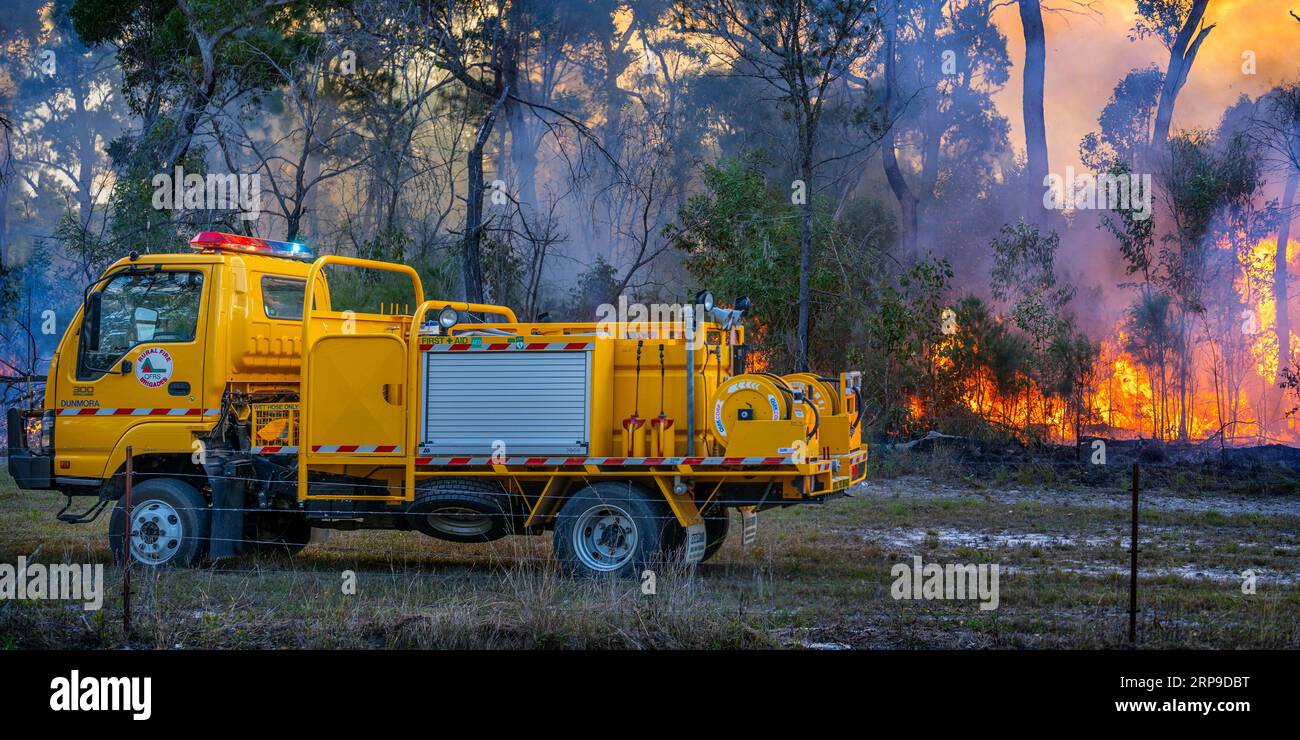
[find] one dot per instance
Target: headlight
(448, 317)
(33, 427)
(40, 432)
(705, 298)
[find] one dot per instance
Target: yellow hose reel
(747, 397)
(821, 393)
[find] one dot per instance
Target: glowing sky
(1089, 51)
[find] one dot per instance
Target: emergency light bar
(235, 242)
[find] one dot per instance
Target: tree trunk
(612, 132)
(471, 265)
(6, 176)
(305, 204)
(86, 156)
(522, 152)
(1280, 275)
(805, 253)
(4, 228)
(1184, 375)
(1031, 20)
(196, 104)
(907, 202)
(1181, 57)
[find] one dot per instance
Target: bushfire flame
(1232, 396)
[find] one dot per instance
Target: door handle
(126, 366)
(392, 393)
(179, 388)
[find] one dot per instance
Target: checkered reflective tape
(506, 346)
(344, 449)
(103, 411)
(485, 461)
(455, 462)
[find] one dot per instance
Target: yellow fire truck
(257, 410)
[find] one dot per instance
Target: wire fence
(440, 563)
(503, 563)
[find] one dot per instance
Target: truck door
(139, 360)
(356, 393)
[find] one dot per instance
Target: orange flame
(1231, 395)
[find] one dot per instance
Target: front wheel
(170, 522)
(614, 529)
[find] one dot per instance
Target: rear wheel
(614, 529)
(170, 522)
(717, 522)
(461, 510)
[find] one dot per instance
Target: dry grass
(817, 576)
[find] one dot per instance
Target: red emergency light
(237, 243)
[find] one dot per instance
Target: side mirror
(90, 322)
(146, 323)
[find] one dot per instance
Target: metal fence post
(126, 550)
(1133, 565)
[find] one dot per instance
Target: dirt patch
(1157, 500)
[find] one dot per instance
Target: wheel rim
(461, 521)
(605, 538)
(156, 532)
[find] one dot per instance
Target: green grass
(817, 574)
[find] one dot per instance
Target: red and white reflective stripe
(361, 449)
(486, 461)
(456, 462)
(508, 347)
(348, 449)
(103, 411)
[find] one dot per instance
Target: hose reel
(747, 397)
(821, 396)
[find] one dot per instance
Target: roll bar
(476, 308)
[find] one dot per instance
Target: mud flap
(749, 522)
(227, 537)
(696, 539)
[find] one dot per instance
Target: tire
(461, 510)
(614, 530)
(717, 523)
(172, 522)
(278, 532)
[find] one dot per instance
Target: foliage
(1124, 127)
(901, 336)
(595, 286)
(740, 236)
(1024, 274)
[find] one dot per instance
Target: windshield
(153, 307)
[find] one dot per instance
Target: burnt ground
(817, 576)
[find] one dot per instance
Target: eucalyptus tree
(796, 50)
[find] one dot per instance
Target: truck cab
(253, 411)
